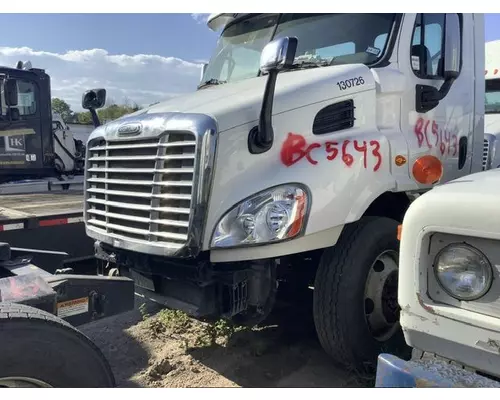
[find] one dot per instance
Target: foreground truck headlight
(463, 272)
(273, 215)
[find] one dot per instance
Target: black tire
(37, 345)
(339, 296)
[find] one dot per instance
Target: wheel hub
(381, 296)
(22, 382)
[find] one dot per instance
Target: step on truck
(292, 164)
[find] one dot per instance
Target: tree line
(110, 112)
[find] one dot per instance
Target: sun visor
(218, 21)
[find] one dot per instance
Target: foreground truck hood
(482, 187)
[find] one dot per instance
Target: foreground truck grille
(142, 189)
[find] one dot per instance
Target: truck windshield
(492, 96)
(324, 39)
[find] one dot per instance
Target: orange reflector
(400, 228)
(427, 170)
(297, 224)
(400, 160)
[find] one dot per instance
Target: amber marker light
(427, 170)
(400, 160)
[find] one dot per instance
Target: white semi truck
(448, 272)
(492, 104)
(309, 137)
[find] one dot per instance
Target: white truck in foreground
(449, 287)
(300, 153)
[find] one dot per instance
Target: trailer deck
(39, 205)
(52, 221)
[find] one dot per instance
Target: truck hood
(234, 104)
(478, 186)
(476, 210)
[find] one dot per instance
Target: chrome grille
(142, 189)
(486, 151)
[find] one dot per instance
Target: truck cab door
(20, 128)
(446, 130)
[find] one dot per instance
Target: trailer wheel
(38, 349)
(356, 312)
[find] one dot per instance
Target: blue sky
(138, 57)
(176, 35)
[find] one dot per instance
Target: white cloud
(201, 18)
(142, 78)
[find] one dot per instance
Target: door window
(427, 48)
(26, 99)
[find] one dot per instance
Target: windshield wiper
(211, 82)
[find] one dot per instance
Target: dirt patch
(150, 347)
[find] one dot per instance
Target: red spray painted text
(295, 148)
(429, 133)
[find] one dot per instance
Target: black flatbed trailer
(48, 221)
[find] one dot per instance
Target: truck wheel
(40, 350)
(356, 312)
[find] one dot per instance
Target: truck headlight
(463, 272)
(273, 215)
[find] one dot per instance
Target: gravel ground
(283, 353)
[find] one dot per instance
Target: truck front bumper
(395, 372)
(195, 285)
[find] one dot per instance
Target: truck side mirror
(278, 55)
(452, 44)
(94, 99)
(275, 57)
(10, 91)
